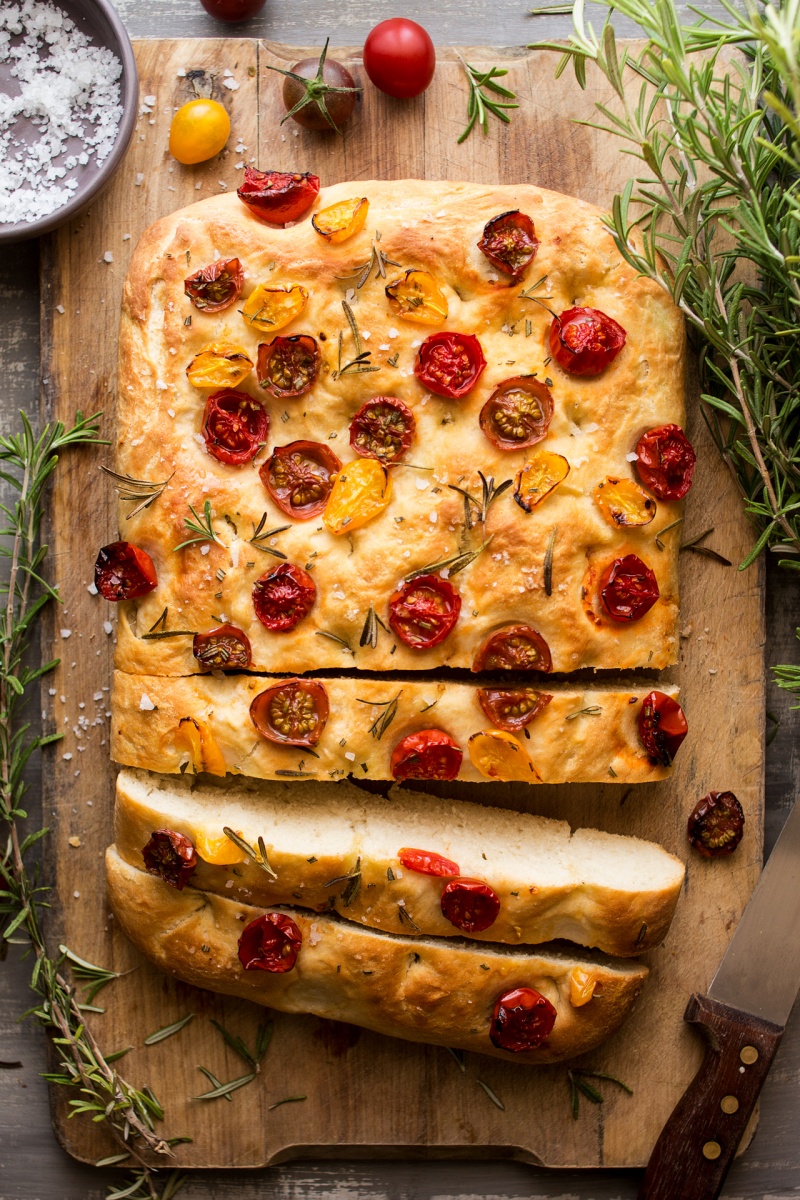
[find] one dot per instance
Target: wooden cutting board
(366, 1094)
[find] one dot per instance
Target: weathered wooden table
(32, 1167)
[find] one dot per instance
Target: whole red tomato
(399, 58)
(232, 10)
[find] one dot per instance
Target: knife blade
(743, 1016)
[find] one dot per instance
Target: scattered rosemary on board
(480, 104)
(579, 1086)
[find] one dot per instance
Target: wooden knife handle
(697, 1145)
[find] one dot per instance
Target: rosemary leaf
(452, 565)
(594, 710)
(405, 918)
(666, 529)
(495, 1099)
(258, 856)
(167, 1031)
(458, 1058)
(334, 638)
(223, 1089)
(143, 492)
(548, 563)
(286, 1100)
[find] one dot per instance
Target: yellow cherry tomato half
(269, 307)
(499, 755)
(219, 365)
(623, 503)
(582, 984)
(340, 221)
(360, 492)
(417, 297)
(218, 849)
(539, 477)
(199, 130)
(196, 737)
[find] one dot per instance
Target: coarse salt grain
(146, 704)
(92, 590)
(231, 84)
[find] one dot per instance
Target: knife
(743, 1017)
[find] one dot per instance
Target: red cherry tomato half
(510, 243)
(124, 572)
(716, 824)
(430, 754)
(278, 196)
(399, 58)
(217, 286)
(584, 341)
(232, 11)
(424, 611)
(425, 862)
(470, 905)
(288, 366)
(235, 427)
(518, 413)
(171, 856)
(514, 648)
(283, 597)
(226, 647)
(665, 462)
(512, 709)
(292, 712)
(662, 727)
(450, 364)
(628, 589)
(522, 1020)
(270, 943)
(383, 428)
(298, 478)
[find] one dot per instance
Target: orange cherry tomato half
(171, 856)
(288, 366)
(124, 572)
(662, 727)
(584, 341)
(217, 286)
(283, 597)
(470, 904)
(514, 648)
(223, 648)
(424, 611)
(450, 364)
(426, 862)
(270, 943)
(510, 243)
(235, 427)
(278, 196)
(298, 478)
(383, 428)
(518, 413)
(512, 709)
(429, 754)
(628, 589)
(665, 462)
(292, 712)
(522, 1019)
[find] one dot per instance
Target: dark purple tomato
(319, 93)
(233, 10)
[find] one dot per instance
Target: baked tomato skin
(424, 611)
(278, 196)
(514, 648)
(628, 589)
(665, 462)
(512, 709)
(510, 243)
(171, 856)
(270, 943)
(427, 862)
(217, 286)
(429, 754)
(584, 341)
(298, 478)
(291, 712)
(522, 1019)
(283, 597)
(470, 904)
(518, 413)
(716, 824)
(383, 428)
(288, 366)
(225, 647)
(235, 427)
(399, 57)
(662, 727)
(124, 572)
(450, 364)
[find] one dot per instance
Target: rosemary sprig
(593, 710)
(352, 881)
(475, 510)
(261, 535)
(86, 972)
(579, 1085)
(369, 634)
(479, 104)
(252, 1058)
(143, 492)
(377, 259)
(258, 856)
(384, 720)
(452, 565)
(361, 363)
(332, 637)
(201, 527)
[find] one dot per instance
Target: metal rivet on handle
(748, 1055)
(729, 1104)
(712, 1150)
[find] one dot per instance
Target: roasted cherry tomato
(430, 754)
(584, 341)
(514, 648)
(665, 462)
(124, 572)
(269, 307)
(512, 708)
(628, 589)
(171, 856)
(522, 1019)
(292, 712)
(540, 476)
(340, 221)
(223, 648)
(623, 503)
(498, 755)
(235, 427)
(217, 286)
(510, 243)
(199, 130)
(288, 366)
(360, 492)
(426, 862)
(716, 824)
(470, 905)
(219, 365)
(298, 478)
(270, 943)
(424, 611)
(582, 986)
(450, 364)
(399, 57)
(278, 196)
(518, 413)
(197, 738)
(417, 297)
(283, 597)
(382, 428)
(219, 849)
(662, 727)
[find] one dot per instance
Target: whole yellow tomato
(199, 130)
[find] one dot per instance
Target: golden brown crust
(597, 422)
(427, 990)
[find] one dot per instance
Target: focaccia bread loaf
(428, 990)
(334, 848)
(583, 734)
